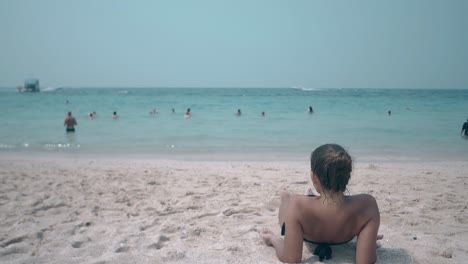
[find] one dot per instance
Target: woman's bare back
(326, 221)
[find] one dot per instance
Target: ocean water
(424, 124)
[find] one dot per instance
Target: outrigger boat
(30, 86)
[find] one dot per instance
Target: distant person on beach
(262, 114)
(310, 110)
(329, 218)
(239, 113)
(465, 128)
(114, 115)
(187, 114)
(70, 123)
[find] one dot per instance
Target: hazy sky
(238, 43)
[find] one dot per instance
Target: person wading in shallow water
(328, 219)
(70, 123)
(465, 128)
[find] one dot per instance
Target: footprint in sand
(80, 240)
(230, 211)
(123, 247)
(13, 241)
(160, 244)
(40, 235)
(149, 225)
(77, 244)
(14, 250)
(170, 229)
(14, 246)
(197, 231)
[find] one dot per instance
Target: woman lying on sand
(329, 219)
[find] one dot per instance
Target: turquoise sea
(424, 123)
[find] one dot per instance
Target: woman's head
(332, 165)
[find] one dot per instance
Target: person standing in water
(114, 115)
(239, 113)
(465, 128)
(262, 114)
(310, 110)
(70, 123)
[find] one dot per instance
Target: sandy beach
(81, 210)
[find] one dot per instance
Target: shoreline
(240, 156)
(108, 210)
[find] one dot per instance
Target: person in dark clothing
(465, 128)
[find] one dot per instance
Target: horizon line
(234, 87)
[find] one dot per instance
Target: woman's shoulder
(299, 202)
(301, 198)
(365, 197)
(366, 203)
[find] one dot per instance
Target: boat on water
(30, 86)
(51, 89)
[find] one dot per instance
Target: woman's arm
(288, 250)
(366, 245)
(293, 238)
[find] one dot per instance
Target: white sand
(160, 211)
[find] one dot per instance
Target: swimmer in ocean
(239, 113)
(310, 110)
(114, 115)
(187, 114)
(262, 114)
